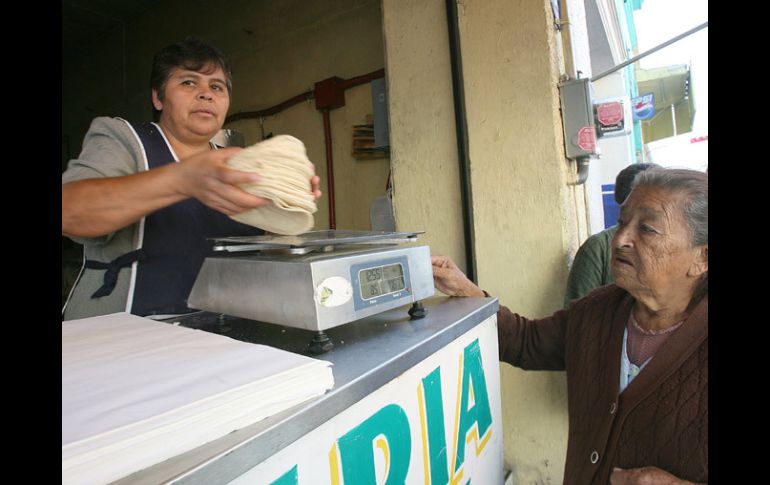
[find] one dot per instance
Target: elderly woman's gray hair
(695, 185)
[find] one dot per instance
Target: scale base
(320, 343)
(417, 311)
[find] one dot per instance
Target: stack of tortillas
(284, 177)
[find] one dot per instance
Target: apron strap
(113, 268)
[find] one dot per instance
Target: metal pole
(654, 49)
(461, 131)
(673, 117)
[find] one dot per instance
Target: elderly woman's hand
(648, 475)
(450, 280)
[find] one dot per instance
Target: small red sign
(587, 138)
(609, 113)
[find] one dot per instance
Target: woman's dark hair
(695, 185)
(625, 178)
(193, 54)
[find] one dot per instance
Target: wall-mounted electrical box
(613, 116)
(577, 113)
(380, 110)
(329, 93)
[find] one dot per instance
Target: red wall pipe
(363, 79)
(329, 168)
(307, 95)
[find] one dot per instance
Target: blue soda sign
(643, 107)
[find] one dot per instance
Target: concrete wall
(521, 205)
(526, 213)
(426, 186)
(279, 49)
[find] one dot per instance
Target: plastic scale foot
(320, 343)
(417, 311)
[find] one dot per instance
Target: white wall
(616, 151)
(688, 150)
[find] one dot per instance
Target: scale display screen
(381, 280)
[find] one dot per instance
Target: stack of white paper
(136, 392)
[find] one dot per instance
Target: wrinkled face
(651, 250)
(194, 104)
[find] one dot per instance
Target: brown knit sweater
(661, 419)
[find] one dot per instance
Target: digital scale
(314, 281)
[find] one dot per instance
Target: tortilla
(284, 177)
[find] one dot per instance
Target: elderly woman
(636, 351)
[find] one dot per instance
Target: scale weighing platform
(314, 281)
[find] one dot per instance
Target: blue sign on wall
(643, 107)
(611, 208)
